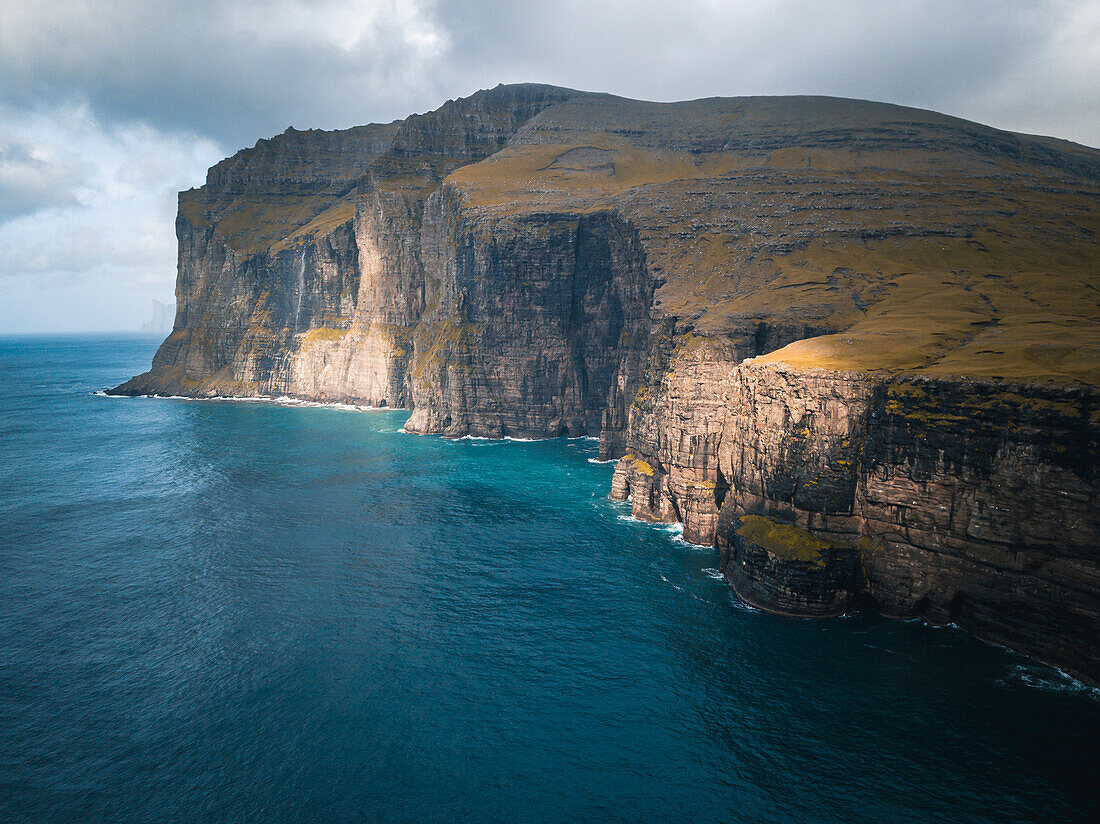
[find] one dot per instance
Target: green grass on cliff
(254, 223)
(786, 542)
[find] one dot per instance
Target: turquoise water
(215, 611)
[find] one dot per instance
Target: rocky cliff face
(299, 260)
(855, 346)
(953, 500)
(525, 321)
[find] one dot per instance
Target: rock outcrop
(161, 319)
(788, 570)
(854, 345)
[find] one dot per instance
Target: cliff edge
(854, 345)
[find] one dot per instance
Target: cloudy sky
(109, 107)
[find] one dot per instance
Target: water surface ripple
(244, 612)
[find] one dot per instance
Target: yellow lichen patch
(914, 402)
(643, 467)
(438, 344)
(783, 541)
(324, 223)
(323, 333)
(868, 545)
(523, 178)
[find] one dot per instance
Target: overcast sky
(109, 107)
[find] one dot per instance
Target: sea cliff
(853, 345)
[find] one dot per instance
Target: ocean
(218, 611)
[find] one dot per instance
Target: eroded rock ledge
(855, 346)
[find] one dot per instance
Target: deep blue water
(229, 612)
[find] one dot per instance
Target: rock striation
(958, 501)
(855, 346)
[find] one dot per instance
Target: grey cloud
(33, 179)
(239, 71)
(74, 252)
(231, 71)
(948, 56)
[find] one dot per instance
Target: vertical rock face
(363, 356)
(526, 317)
(766, 309)
(956, 501)
(983, 503)
(299, 260)
(792, 442)
(671, 472)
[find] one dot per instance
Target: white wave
(105, 394)
(630, 519)
(676, 531)
(675, 586)
(671, 529)
(281, 400)
(930, 625)
(598, 461)
(288, 401)
(716, 574)
(1043, 677)
(533, 440)
(920, 619)
(680, 539)
(737, 603)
